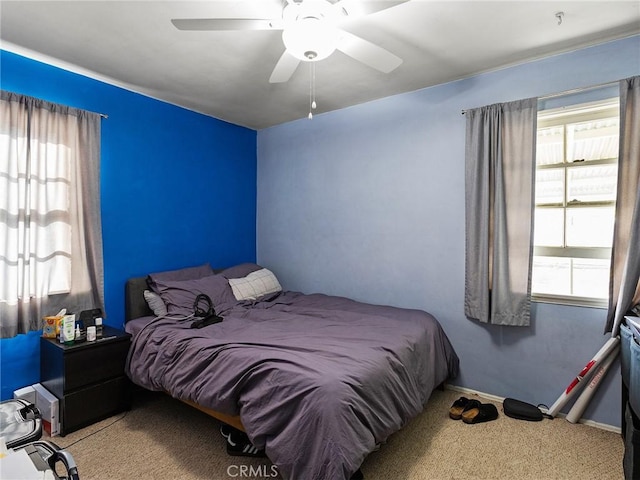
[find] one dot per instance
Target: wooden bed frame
(136, 307)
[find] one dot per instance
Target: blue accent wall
(177, 188)
(369, 202)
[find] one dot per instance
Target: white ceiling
(226, 74)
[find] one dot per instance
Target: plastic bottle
(99, 327)
(67, 334)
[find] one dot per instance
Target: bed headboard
(135, 306)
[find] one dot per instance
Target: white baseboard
(488, 396)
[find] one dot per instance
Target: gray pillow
(179, 296)
(155, 303)
(241, 270)
(157, 280)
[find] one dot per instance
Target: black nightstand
(88, 378)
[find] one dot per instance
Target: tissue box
(50, 327)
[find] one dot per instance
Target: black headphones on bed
(199, 312)
(206, 317)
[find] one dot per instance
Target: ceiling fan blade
(357, 8)
(205, 24)
(368, 53)
(284, 68)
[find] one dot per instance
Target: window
(576, 180)
(37, 230)
(50, 231)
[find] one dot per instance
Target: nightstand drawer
(100, 362)
(97, 402)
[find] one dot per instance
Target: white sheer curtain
(625, 261)
(50, 228)
(500, 173)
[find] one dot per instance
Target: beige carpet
(161, 438)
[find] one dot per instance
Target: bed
(316, 381)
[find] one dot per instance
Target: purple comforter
(318, 381)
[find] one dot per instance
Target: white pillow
(155, 303)
(255, 285)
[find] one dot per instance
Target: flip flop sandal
(455, 412)
(484, 412)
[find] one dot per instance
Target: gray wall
(368, 202)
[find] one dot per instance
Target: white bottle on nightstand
(99, 327)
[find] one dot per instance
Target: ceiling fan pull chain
(313, 70)
(312, 88)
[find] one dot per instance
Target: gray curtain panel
(625, 260)
(49, 212)
(499, 179)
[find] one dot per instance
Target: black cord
(99, 430)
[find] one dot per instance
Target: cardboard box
(26, 393)
(48, 405)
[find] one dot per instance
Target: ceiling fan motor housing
(310, 32)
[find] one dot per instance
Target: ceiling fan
(311, 31)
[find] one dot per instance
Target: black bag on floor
(521, 410)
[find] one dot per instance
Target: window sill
(571, 301)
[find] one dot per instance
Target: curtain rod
(572, 91)
(103, 115)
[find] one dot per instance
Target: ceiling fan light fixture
(310, 39)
